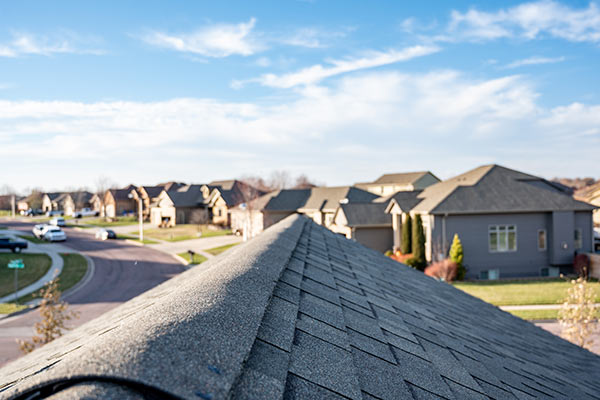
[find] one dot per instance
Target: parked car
(85, 212)
(38, 230)
(31, 212)
(55, 234)
(14, 245)
(54, 213)
(58, 221)
(104, 234)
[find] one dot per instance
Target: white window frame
(496, 229)
(545, 248)
(578, 243)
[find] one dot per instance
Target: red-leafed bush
(444, 270)
(398, 256)
(581, 264)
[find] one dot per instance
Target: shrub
(580, 264)
(418, 243)
(412, 262)
(405, 245)
(445, 270)
(388, 253)
(456, 255)
(577, 314)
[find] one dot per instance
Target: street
(122, 271)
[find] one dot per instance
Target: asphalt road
(122, 271)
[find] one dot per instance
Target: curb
(86, 278)
(178, 258)
(133, 242)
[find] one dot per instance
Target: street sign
(16, 264)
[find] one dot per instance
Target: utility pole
(141, 218)
(12, 205)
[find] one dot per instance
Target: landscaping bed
(36, 266)
(522, 292)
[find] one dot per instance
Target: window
(502, 238)
(578, 239)
(542, 243)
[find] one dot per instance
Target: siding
(379, 239)
(473, 233)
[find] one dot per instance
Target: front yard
(36, 266)
(104, 223)
(183, 232)
(521, 292)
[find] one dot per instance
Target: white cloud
(218, 40)
(29, 44)
(446, 120)
(528, 21)
(314, 38)
(316, 73)
(535, 60)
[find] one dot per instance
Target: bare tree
(103, 183)
(279, 179)
(303, 182)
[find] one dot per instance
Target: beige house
(96, 204)
(117, 202)
(389, 184)
(186, 205)
(149, 195)
(591, 194)
(50, 201)
(225, 194)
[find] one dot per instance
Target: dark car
(104, 234)
(14, 245)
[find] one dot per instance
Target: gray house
(510, 223)
(302, 313)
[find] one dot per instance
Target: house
(388, 184)
(591, 194)
(510, 223)
(226, 194)
(185, 205)
(97, 204)
(149, 195)
(303, 313)
(318, 203)
(117, 202)
(33, 201)
(50, 203)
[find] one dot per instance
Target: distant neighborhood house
(388, 184)
(118, 202)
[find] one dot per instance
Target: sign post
(16, 265)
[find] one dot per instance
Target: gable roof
(406, 200)
(234, 192)
(301, 312)
(588, 193)
(329, 198)
(366, 214)
(152, 191)
(187, 196)
(401, 178)
(53, 195)
(496, 189)
(121, 194)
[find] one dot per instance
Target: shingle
(324, 292)
(287, 292)
(463, 392)
(278, 323)
(324, 364)
(323, 331)
(421, 373)
(321, 310)
(371, 346)
(300, 389)
(380, 378)
(319, 275)
(363, 324)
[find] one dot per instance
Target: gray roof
(235, 192)
(404, 178)
(312, 199)
(187, 196)
(366, 214)
(406, 200)
(496, 189)
(301, 312)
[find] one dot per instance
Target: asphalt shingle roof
(496, 189)
(366, 214)
(301, 312)
(401, 178)
(317, 198)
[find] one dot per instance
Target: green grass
(218, 250)
(9, 308)
(33, 239)
(540, 314)
(74, 268)
(36, 266)
(5, 213)
(183, 232)
(120, 221)
(508, 293)
(136, 239)
(198, 258)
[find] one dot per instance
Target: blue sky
(342, 91)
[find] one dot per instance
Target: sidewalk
(52, 250)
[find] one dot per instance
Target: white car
(38, 230)
(85, 212)
(57, 221)
(104, 234)
(55, 234)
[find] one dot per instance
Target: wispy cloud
(62, 43)
(313, 37)
(316, 73)
(535, 60)
(447, 109)
(217, 40)
(532, 20)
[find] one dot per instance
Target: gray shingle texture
(302, 313)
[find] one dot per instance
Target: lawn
(5, 213)
(540, 314)
(183, 232)
(36, 266)
(136, 239)
(508, 293)
(198, 258)
(33, 239)
(119, 221)
(218, 250)
(9, 308)
(74, 268)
